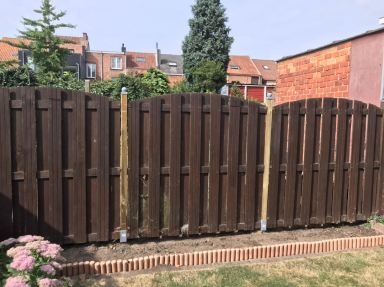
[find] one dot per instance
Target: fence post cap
(124, 90)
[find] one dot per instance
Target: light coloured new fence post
(267, 155)
(123, 164)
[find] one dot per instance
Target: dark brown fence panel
(195, 165)
(57, 157)
(325, 162)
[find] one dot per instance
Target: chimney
(85, 36)
(123, 48)
(381, 21)
(158, 53)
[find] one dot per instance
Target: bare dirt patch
(110, 251)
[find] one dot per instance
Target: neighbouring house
(171, 65)
(75, 62)
(102, 65)
(351, 68)
(245, 72)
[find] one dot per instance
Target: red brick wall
(103, 65)
(323, 73)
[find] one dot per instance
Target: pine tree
(208, 39)
(46, 47)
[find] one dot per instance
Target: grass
(360, 268)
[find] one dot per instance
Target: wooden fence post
(267, 153)
(123, 165)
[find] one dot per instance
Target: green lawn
(362, 268)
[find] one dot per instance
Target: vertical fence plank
(291, 173)
(214, 163)
(6, 222)
(369, 158)
(251, 162)
(80, 170)
(134, 126)
(273, 194)
(233, 162)
(380, 188)
(194, 159)
(154, 167)
(325, 147)
(355, 159)
(103, 168)
(341, 142)
(175, 165)
(30, 186)
(309, 146)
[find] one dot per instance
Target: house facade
(255, 78)
(351, 68)
(75, 62)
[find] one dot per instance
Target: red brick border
(221, 256)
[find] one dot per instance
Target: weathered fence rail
(194, 164)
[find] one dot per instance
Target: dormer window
(172, 64)
(265, 67)
(140, 60)
(235, 67)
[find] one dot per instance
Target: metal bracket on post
(123, 165)
(267, 154)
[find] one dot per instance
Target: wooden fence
(194, 164)
(326, 162)
(59, 164)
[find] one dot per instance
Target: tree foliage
(208, 39)
(47, 49)
(208, 77)
(17, 76)
(157, 82)
(236, 92)
(67, 80)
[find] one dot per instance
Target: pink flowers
(17, 281)
(23, 263)
(48, 268)
(29, 261)
(29, 238)
(18, 251)
(46, 282)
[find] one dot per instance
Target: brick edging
(221, 256)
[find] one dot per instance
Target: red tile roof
(245, 64)
(268, 74)
(141, 61)
(8, 52)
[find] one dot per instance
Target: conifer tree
(208, 39)
(40, 38)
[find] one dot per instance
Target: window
(265, 67)
(172, 64)
(235, 67)
(116, 63)
(140, 60)
(91, 71)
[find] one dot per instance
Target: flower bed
(30, 261)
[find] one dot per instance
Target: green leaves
(208, 39)
(208, 77)
(47, 53)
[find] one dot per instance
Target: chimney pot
(123, 48)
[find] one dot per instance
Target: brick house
(351, 68)
(254, 77)
(75, 62)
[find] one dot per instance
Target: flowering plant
(30, 261)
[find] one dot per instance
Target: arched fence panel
(195, 165)
(326, 162)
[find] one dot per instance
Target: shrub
(209, 77)
(157, 82)
(11, 76)
(235, 91)
(67, 81)
(30, 261)
(182, 87)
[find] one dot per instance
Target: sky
(264, 29)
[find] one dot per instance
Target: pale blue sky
(267, 29)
